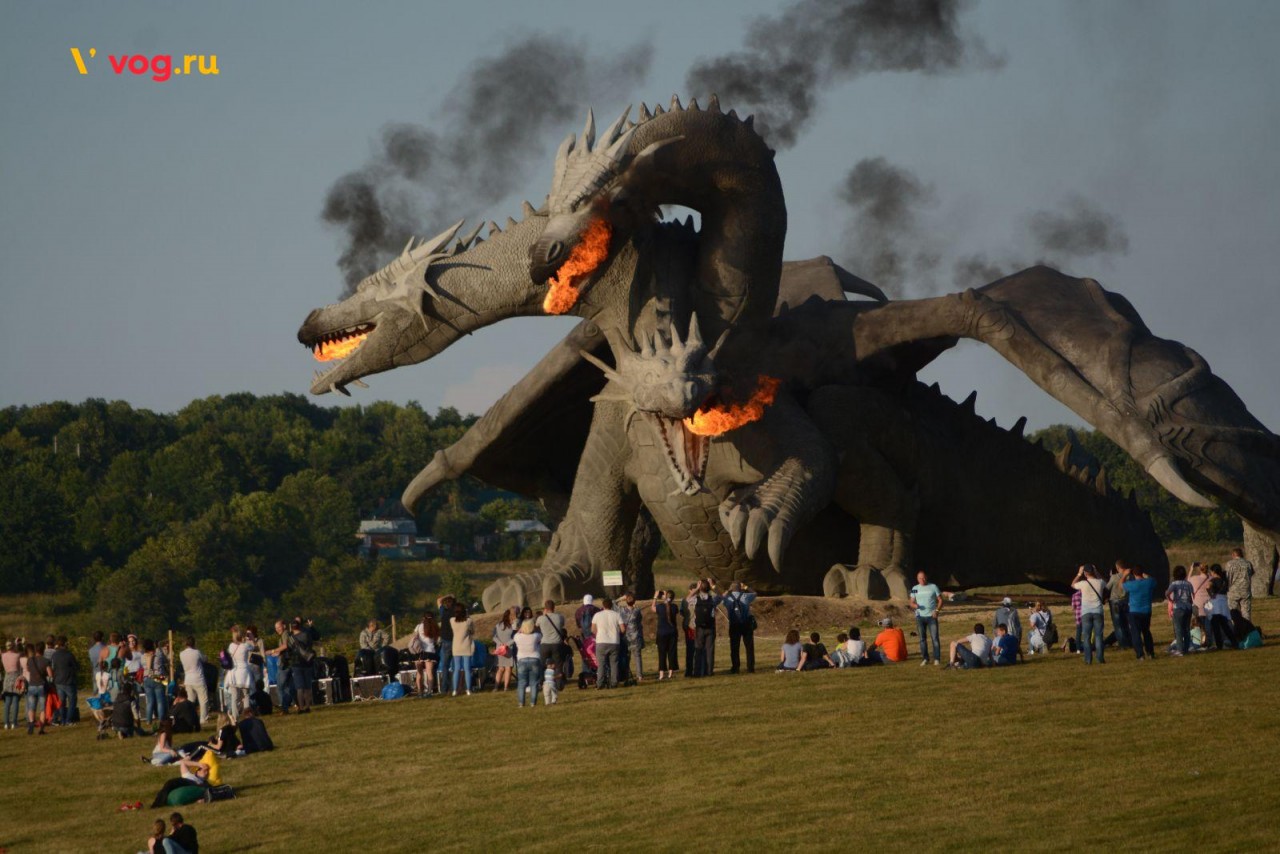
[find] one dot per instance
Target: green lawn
(1173, 754)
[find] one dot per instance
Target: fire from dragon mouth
(340, 344)
(583, 261)
(715, 419)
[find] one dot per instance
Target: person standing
(38, 673)
(1199, 580)
(155, 680)
(302, 656)
(633, 631)
(607, 628)
(1239, 574)
(504, 639)
(239, 680)
(1008, 615)
(1182, 597)
(582, 617)
(444, 613)
(664, 608)
(742, 626)
(1092, 594)
(1119, 604)
(463, 646)
(426, 637)
(1140, 588)
(704, 605)
(66, 674)
(12, 660)
(193, 663)
(926, 599)
(95, 653)
(550, 626)
(690, 636)
(526, 645)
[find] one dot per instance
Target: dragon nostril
(555, 250)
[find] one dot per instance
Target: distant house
(528, 531)
(393, 534)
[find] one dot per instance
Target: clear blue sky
(162, 241)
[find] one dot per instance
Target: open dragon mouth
(686, 453)
(340, 344)
(583, 260)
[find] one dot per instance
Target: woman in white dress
(240, 679)
(425, 648)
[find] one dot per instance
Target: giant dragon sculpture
(766, 426)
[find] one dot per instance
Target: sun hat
(588, 599)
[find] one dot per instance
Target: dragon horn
(608, 371)
(589, 130)
(694, 340)
(719, 343)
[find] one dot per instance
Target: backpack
(1252, 641)
(585, 623)
(394, 691)
(739, 611)
(704, 612)
(1050, 631)
(224, 660)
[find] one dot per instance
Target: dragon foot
(768, 511)
(856, 582)
(534, 588)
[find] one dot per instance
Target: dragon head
(588, 205)
(666, 381)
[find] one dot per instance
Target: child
(102, 679)
(549, 690)
(838, 657)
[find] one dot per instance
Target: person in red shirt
(891, 643)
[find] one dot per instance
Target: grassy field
(1166, 755)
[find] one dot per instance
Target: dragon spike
(563, 152)
(657, 110)
(733, 114)
(713, 103)
(693, 105)
(675, 103)
(493, 228)
(611, 132)
(435, 244)
(694, 338)
(619, 147)
(644, 115)
(589, 130)
(474, 236)
(511, 223)
(527, 210)
(970, 402)
(407, 246)
(359, 383)
(608, 371)
(1019, 426)
(750, 122)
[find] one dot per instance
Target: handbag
(503, 651)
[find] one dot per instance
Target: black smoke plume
(789, 58)
(1080, 229)
(886, 241)
(495, 122)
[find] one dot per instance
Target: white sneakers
(924, 663)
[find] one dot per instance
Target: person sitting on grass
(1004, 649)
(253, 733)
(814, 654)
(838, 655)
(155, 842)
(182, 839)
(189, 774)
(163, 752)
(976, 654)
(854, 650)
(183, 713)
(225, 742)
(124, 720)
(890, 644)
(791, 653)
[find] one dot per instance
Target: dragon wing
(1088, 348)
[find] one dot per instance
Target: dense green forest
(242, 505)
(233, 506)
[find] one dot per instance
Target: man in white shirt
(606, 628)
(976, 654)
(193, 662)
(1092, 600)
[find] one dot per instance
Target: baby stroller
(587, 649)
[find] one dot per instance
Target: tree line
(244, 505)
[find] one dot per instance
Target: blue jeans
(1091, 633)
(445, 666)
(1182, 629)
(157, 702)
(461, 664)
(929, 624)
(67, 697)
(1120, 623)
(12, 709)
(527, 672)
(968, 659)
(35, 700)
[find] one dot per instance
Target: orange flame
(583, 260)
(330, 350)
(723, 417)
